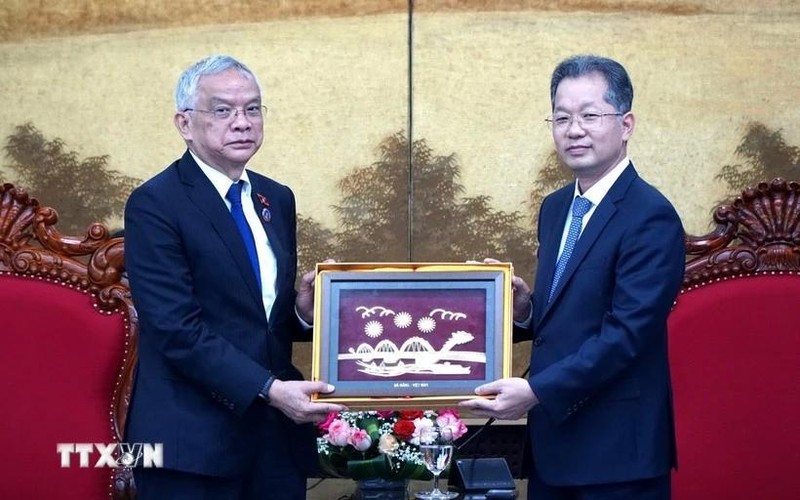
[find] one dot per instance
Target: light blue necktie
(234, 195)
(580, 207)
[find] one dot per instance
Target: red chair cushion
(59, 363)
(736, 376)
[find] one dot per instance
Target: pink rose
(451, 411)
(450, 426)
(338, 433)
(360, 439)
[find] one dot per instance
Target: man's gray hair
(186, 91)
(620, 89)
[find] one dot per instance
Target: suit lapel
(549, 244)
(599, 220)
(202, 193)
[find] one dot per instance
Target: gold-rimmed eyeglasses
(563, 121)
(254, 112)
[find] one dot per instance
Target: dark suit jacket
(599, 358)
(206, 346)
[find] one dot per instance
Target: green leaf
(334, 464)
(365, 469)
(372, 427)
(414, 471)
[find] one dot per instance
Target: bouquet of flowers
(383, 444)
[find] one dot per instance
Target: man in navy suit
(210, 249)
(610, 264)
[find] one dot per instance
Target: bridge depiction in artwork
(415, 355)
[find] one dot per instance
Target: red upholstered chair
(67, 347)
(735, 352)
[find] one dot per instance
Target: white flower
(424, 431)
(387, 444)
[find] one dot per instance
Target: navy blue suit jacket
(599, 358)
(206, 346)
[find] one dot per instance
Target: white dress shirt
(267, 263)
(595, 194)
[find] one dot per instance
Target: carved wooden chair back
(68, 332)
(734, 342)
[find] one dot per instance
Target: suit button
(538, 341)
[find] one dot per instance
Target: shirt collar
(600, 189)
(220, 181)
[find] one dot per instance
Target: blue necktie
(234, 196)
(580, 207)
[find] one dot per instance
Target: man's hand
(522, 294)
(305, 297)
(513, 399)
(293, 398)
(522, 298)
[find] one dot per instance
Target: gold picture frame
(410, 335)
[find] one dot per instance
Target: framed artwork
(410, 335)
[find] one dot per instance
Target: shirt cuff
(525, 323)
(303, 323)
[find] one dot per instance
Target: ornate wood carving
(758, 233)
(31, 245)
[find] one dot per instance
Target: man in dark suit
(210, 249)
(611, 259)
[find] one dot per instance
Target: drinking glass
(437, 458)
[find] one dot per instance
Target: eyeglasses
(254, 112)
(585, 120)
